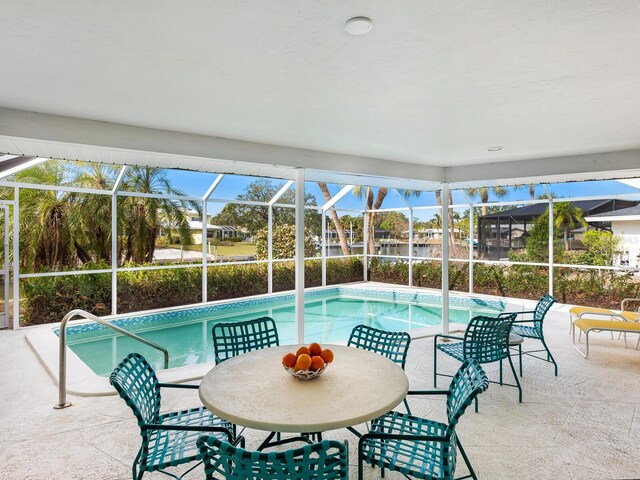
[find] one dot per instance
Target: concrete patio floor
(583, 424)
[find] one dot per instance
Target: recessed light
(358, 25)
(495, 148)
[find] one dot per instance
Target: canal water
(400, 250)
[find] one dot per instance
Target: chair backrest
(543, 306)
(231, 339)
(487, 338)
(136, 382)
(326, 460)
(393, 345)
(469, 381)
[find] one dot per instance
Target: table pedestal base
(308, 438)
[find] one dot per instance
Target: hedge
(48, 299)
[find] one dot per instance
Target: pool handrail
(62, 379)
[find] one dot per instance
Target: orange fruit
(289, 360)
(303, 362)
(317, 363)
(327, 355)
(303, 351)
(315, 349)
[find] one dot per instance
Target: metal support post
(445, 258)
(471, 212)
(365, 245)
(6, 266)
(324, 248)
(411, 247)
(551, 237)
(299, 263)
(205, 236)
(270, 249)
(204, 252)
(16, 258)
(114, 240)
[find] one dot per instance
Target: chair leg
(476, 402)
(466, 459)
(134, 468)
(549, 356)
(406, 405)
(520, 357)
(500, 372)
(435, 363)
(515, 375)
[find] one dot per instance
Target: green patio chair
(393, 345)
(422, 448)
(168, 439)
(232, 339)
(327, 460)
(486, 339)
(535, 329)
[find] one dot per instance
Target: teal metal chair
(327, 460)
(168, 439)
(422, 448)
(232, 339)
(486, 339)
(393, 345)
(535, 329)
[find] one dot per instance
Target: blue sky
(196, 183)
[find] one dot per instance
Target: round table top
(254, 390)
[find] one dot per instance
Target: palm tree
(375, 204)
(144, 217)
(483, 194)
(565, 216)
(92, 214)
(44, 220)
(335, 219)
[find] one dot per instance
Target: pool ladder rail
(62, 379)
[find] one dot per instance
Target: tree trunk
(382, 193)
(81, 252)
(335, 220)
(484, 198)
(566, 238)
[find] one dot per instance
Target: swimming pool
(330, 315)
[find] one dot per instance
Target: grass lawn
(237, 249)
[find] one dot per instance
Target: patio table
(253, 390)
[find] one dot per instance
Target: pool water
(330, 315)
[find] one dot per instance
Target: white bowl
(305, 374)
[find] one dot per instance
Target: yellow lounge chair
(587, 326)
(576, 313)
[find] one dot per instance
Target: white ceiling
(434, 82)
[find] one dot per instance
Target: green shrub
(162, 242)
(283, 243)
(48, 299)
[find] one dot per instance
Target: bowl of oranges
(308, 362)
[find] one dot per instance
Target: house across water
(501, 232)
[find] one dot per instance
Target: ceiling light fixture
(358, 25)
(495, 148)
